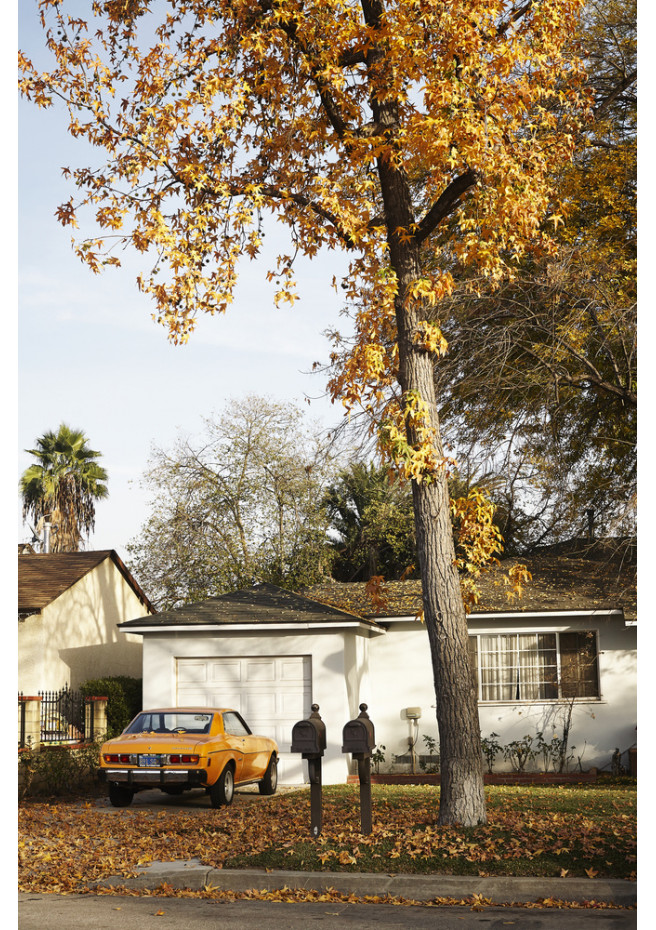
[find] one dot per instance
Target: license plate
(149, 760)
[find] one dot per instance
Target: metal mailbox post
(359, 739)
(309, 738)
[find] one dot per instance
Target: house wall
(598, 727)
(340, 677)
(401, 676)
(393, 672)
(76, 636)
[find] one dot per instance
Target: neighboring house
(570, 642)
(70, 605)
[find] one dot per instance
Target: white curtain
(518, 666)
(498, 657)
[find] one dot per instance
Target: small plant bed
(566, 830)
(493, 778)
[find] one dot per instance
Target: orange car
(178, 748)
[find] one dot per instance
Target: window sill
(534, 701)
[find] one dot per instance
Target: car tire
(120, 796)
(223, 789)
(269, 782)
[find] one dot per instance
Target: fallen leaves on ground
(67, 847)
(476, 902)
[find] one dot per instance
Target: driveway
(194, 799)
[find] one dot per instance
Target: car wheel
(120, 796)
(223, 789)
(269, 782)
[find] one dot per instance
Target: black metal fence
(63, 717)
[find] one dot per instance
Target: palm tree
(371, 516)
(63, 485)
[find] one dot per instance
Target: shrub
(57, 770)
(519, 751)
(491, 748)
(433, 748)
(123, 699)
(378, 756)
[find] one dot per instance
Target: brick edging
(494, 778)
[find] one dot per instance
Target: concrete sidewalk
(196, 876)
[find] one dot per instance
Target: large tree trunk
(462, 798)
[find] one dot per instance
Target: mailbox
(309, 736)
(358, 736)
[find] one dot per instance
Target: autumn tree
(556, 347)
(62, 486)
(240, 502)
(396, 130)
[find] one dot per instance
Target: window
(234, 725)
(535, 666)
(167, 723)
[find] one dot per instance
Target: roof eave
(360, 627)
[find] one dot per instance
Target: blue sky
(90, 355)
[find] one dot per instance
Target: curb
(195, 876)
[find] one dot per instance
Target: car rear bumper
(154, 778)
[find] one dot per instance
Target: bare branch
(607, 102)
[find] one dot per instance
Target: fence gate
(62, 716)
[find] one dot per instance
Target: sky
(90, 355)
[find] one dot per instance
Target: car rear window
(170, 722)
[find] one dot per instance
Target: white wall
(339, 676)
(401, 674)
(598, 727)
(392, 672)
(76, 636)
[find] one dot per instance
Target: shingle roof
(572, 576)
(262, 604)
(43, 577)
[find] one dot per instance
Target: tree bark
(462, 798)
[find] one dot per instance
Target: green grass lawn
(551, 831)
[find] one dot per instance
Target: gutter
(251, 627)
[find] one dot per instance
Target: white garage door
(270, 692)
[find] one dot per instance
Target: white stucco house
(70, 606)
(570, 642)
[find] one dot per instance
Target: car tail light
(111, 758)
(175, 758)
(123, 757)
(189, 760)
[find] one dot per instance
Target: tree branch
(330, 107)
(516, 14)
(275, 193)
(628, 80)
(445, 204)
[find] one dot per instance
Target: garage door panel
(293, 670)
(294, 705)
(192, 673)
(260, 704)
(195, 699)
(226, 672)
(260, 671)
(271, 693)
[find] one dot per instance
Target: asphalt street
(109, 912)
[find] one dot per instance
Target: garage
(270, 692)
(270, 654)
